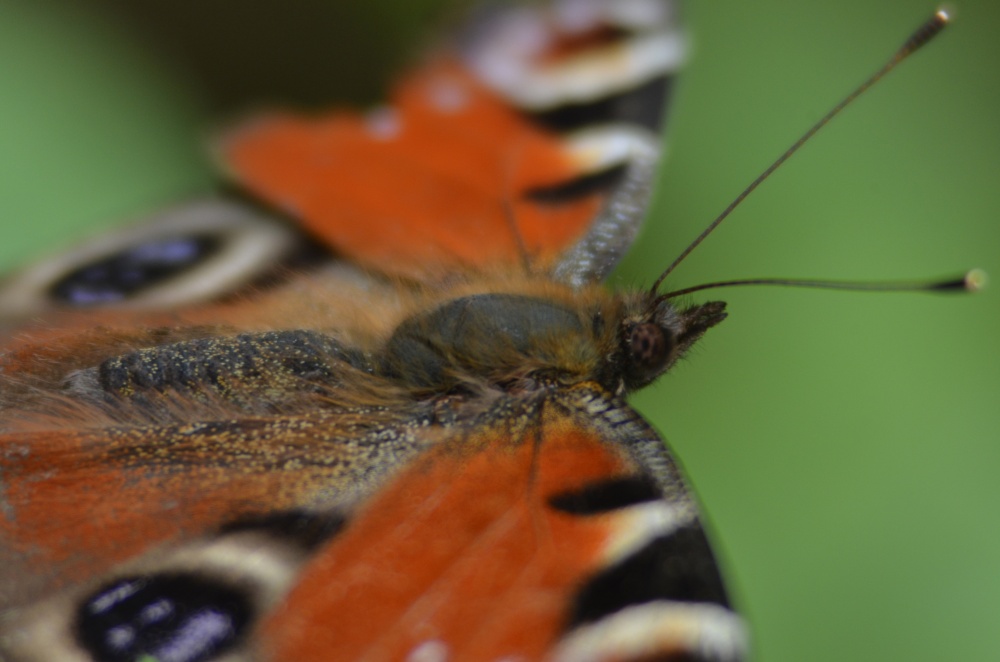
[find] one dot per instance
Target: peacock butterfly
(190, 354)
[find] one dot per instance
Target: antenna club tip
(975, 280)
(943, 15)
(931, 28)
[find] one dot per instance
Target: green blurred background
(845, 445)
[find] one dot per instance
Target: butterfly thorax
(620, 341)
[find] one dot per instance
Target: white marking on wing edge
(507, 56)
(434, 650)
(642, 631)
(608, 145)
(447, 94)
(600, 72)
(383, 123)
(582, 15)
(637, 526)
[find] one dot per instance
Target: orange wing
(549, 527)
(435, 182)
(515, 543)
(81, 503)
(482, 159)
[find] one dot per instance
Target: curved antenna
(972, 281)
(930, 29)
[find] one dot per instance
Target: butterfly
(397, 433)
(245, 396)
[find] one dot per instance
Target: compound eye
(649, 348)
(188, 254)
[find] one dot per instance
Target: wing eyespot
(180, 617)
(126, 273)
(185, 255)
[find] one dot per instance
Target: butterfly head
(652, 341)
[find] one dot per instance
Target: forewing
(533, 140)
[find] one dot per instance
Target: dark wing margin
(661, 596)
(600, 74)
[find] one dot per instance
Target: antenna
(925, 33)
(973, 281)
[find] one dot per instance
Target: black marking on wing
(607, 495)
(678, 567)
(309, 530)
(128, 272)
(182, 617)
(601, 181)
(642, 105)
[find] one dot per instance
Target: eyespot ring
(248, 243)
